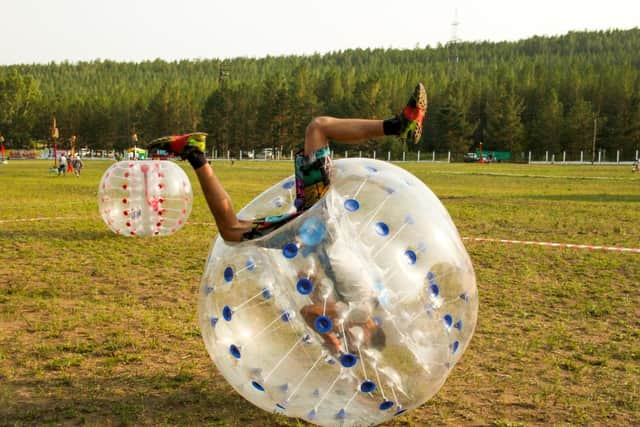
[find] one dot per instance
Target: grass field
(97, 329)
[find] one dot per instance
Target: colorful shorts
(313, 177)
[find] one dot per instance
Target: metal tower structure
(453, 45)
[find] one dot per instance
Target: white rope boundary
(553, 244)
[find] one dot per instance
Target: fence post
(374, 154)
(546, 156)
(346, 154)
(637, 151)
(388, 156)
(529, 156)
(618, 156)
(360, 154)
(581, 156)
(448, 156)
(599, 156)
(418, 155)
(434, 156)
(564, 157)
(240, 154)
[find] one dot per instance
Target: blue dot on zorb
(386, 404)
(348, 360)
(290, 250)
(228, 274)
(411, 256)
(288, 185)
(367, 386)
(454, 346)
(351, 205)
(312, 231)
(250, 264)
(323, 324)
(235, 351)
(400, 411)
(382, 229)
(435, 290)
(371, 169)
(227, 313)
(266, 293)
(448, 320)
(304, 286)
(285, 316)
(312, 414)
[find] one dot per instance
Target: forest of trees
(540, 94)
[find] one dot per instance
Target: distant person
(77, 165)
(636, 166)
(62, 165)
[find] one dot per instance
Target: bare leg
(321, 129)
(229, 226)
(317, 135)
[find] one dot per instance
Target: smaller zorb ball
(145, 198)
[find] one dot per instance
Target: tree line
(542, 94)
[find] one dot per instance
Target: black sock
(392, 126)
(197, 159)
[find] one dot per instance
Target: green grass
(97, 329)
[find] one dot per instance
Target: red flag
(2, 151)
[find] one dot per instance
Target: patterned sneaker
(413, 115)
(180, 144)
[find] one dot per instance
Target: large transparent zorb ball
(145, 198)
(352, 313)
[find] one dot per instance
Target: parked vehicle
(471, 157)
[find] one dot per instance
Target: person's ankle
(392, 126)
(197, 159)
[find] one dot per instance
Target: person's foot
(181, 145)
(413, 115)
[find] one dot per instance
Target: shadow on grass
(133, 400)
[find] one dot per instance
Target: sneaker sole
(420, 95)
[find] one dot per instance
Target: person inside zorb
(313, 173)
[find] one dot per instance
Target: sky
(43, 31)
